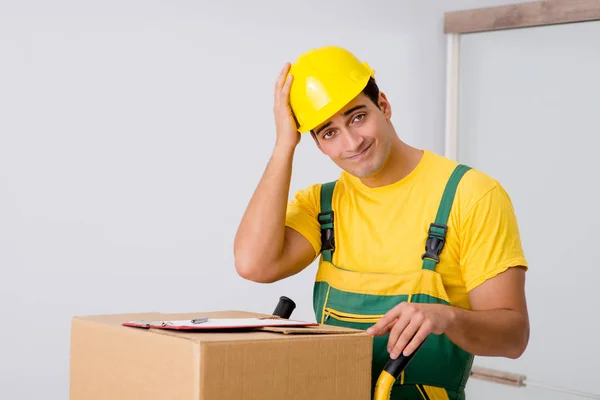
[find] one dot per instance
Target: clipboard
(207, 324)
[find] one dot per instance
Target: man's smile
(361, 154)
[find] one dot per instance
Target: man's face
(358, 138)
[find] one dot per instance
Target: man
(414, 247)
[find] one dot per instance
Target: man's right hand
(288, 136)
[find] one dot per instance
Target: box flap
(322, 329)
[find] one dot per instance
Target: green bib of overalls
(359, 299)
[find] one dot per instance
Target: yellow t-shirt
(384, 229)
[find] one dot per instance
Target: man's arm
(497, 325)
(265, 250)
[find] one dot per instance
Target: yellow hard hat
(325, 80)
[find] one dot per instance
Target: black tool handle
(284, 308)
(395, 366)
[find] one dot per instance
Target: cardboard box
(111, 361)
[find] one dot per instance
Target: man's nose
(352, 141)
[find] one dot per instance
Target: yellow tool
(390, 373)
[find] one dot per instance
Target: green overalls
(359, 299)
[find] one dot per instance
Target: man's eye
(327, 134)
(359, 117)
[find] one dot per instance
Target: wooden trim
(521, 15)
(452, 78)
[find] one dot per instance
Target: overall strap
(437, 231)
(326, 220)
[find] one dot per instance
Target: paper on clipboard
(217, 323)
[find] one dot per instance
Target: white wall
(528, 116)
(133, 133)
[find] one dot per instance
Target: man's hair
(371, 90)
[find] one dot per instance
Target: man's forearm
(502, 333)
(260, 235)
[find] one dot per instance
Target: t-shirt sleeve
(490, 238)
(301, 215)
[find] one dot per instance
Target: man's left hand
(412, 320)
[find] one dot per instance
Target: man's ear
(385, 106)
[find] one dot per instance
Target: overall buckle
(435, 242)
(327, 237)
